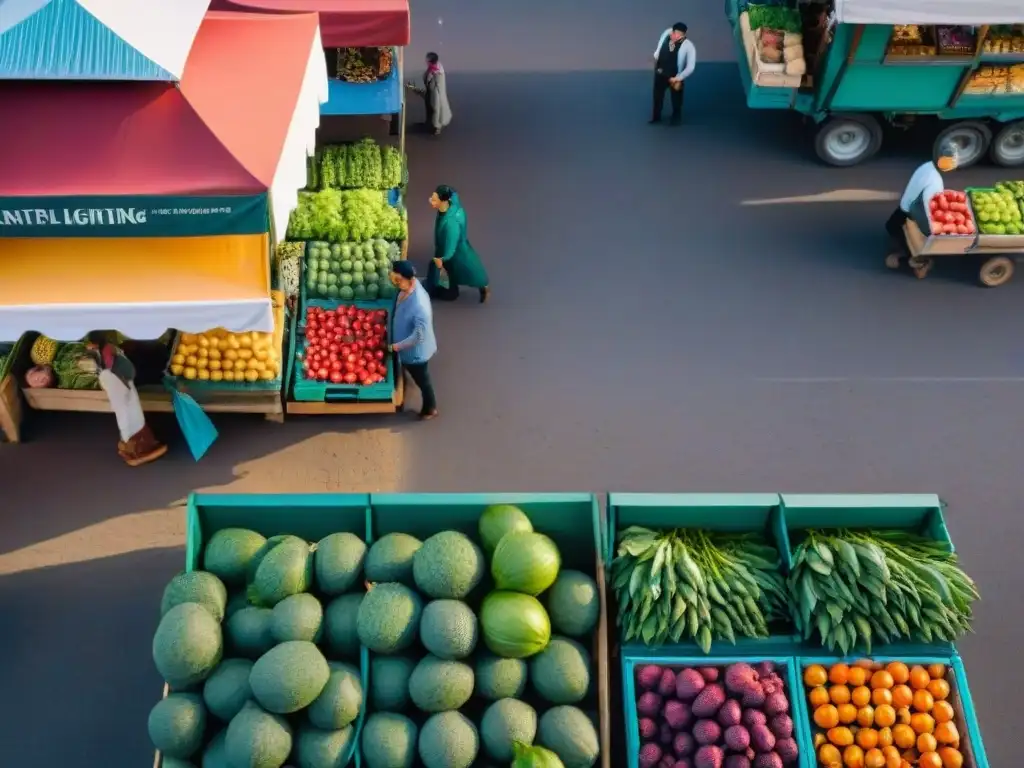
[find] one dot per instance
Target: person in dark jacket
(674, 61)
(456, 263)
(413, 328)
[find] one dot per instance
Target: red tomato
(350, 378)
(350, 367)
(379, 354)
(371, 367)
(337, 377)
(322, 373)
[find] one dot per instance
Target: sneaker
(428, 415)
(485, 294)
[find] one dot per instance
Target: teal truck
(872, 65)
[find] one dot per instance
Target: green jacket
(452, 246)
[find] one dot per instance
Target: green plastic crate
(791, 677)
(971, 745)
(310, 516)
(737, 512)
(308, 390)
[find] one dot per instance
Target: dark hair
(404, 269)
(432, 57)
(445, 192)
(679, 27)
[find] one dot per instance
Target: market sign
(144, 216)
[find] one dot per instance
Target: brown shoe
(485, 294)
(428, 415)
(142, 448)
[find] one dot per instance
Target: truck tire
(971, 138)
(1008, 145)
(846, 140)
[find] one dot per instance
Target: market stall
(159, 210)
(857, 66)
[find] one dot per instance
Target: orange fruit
(860, 696)
(839, 694)
(903, 715)
(867, 738)
(951, 758)
(829, 756)
(919, 677)
(898, 670)
(881, 696)
(867, 664)
(853, 757)
(926, 743)
(839, 674)
(815, 675)
(892, 757)
(885, 737)
(947, 733)
(885, 716)
(857, 676)
(818, 696)
(922, 723)
(874, 758)
(929, 760)
(847, 713)
(819, 739)
(937, 671)
(939, 689)
(903, 736)
(904, 763)
(882, 679)
(826, 716)
(923, 701)
(902, 696)
(841, 737)
(866, 717)
(942, 712)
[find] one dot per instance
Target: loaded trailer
(870, 65)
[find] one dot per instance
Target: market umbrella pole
(401, 119)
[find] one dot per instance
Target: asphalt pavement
(694, 309)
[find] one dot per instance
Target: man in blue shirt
(925, 183)
(674, 61)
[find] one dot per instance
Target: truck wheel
(996, 271)
(845, 140)
(1008, 145)
(971, 139)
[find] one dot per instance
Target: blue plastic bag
(195, 425)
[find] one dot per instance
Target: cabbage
(525, 562)
(534, 757)
(498, 520)
(515, 625)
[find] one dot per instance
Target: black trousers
(420, 375)
(894, 228)
(661, 84)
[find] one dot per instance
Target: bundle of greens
(697, 585)
(392, 171)
(774, 17)
(352, 215)
(858, 587)
(76, 368)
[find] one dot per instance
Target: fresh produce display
(346, 345)
(436, 645)
(340, 216)
(76, 368)
(360, 165)
(709, 717)
(219, 355)
(949, 214)
(289, 267)
(910, 40)
(780, 51)
(1004, 40)
(997, 80)
(255, 653)
(999, 210)
(44, 350)
(364, 65)
(873, 715)
(350, 271)
(696, 585)
(858, 588)
(776, 17)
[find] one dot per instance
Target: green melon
(499, 519)
(504, 723)
(561, 672)
(389, 682)
(315, 748)
(177, 724)
(389, 618)
(227, 688)
(297, 617)
(286, 569)
(289, 677)
(340, 633)
(257, 739)
(187, 645)
(339, 702)
(339, 562)
(574, 604)
(438, 685)
(571, 735)
(390, 558)
(498, 678)
(388, 741)
(448, 566)
(216, 753)
(448, 740)
(249, 632)
(199, 587)
(448, 629)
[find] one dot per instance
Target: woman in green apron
(456, 263)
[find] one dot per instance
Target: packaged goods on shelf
(1004, 40)
(996, 80)
(364, 65)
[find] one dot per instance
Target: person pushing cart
(925, 183)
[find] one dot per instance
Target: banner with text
(143, 216)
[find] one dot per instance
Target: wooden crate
(757, 73)
(10, 409)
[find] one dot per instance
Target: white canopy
(929, 12)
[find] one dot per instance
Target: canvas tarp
(97, 39)
(930, 12)
(355, 23)
(66, 287)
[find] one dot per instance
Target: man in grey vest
(674, 61)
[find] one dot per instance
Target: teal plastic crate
(199, 387)
(308, 390)
(309, 516)
(790, 676)
(971, 745)
(752, 512)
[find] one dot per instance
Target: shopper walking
(413, 327)
(435, 95)
(456, 262)
(674, 61)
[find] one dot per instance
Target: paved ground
(650, 330)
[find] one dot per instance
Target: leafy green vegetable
(774, 17)
(351, 215)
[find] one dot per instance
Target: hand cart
(996, 255)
